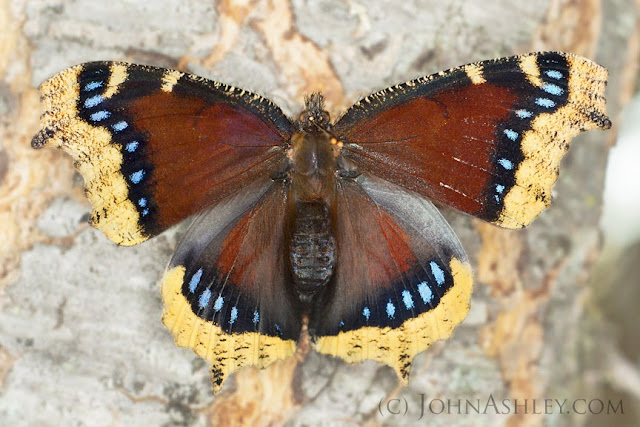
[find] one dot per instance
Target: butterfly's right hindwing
(402, 279)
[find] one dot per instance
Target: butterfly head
(314, 118)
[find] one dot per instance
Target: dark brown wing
(402, 280)
(485, 138)
(156, 145)
(226, 291)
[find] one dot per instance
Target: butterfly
(311, 221)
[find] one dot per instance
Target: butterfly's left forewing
(402, 280)
(226, 290)
(485, 138)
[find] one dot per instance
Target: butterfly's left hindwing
(402, 280)
(156, 145)
(226, 291)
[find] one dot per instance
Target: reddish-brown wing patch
(486, 138)
(156, 145)
(201, 153)
(440, 146)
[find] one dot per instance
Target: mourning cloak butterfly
(315, 220)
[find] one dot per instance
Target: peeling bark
(81, 339)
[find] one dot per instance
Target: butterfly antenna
(314, 102)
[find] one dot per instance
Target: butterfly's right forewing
(485, 138)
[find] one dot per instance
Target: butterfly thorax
(313, 165)
(312, 172)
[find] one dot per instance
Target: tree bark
(81, 339)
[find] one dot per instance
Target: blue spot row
(424, 290)
(195, 279)
(407, 299)
(101, 115)
(505, 163)
(391, 310)
(132, 146)
(553, 89)
(554, 74)
(120, 126)
(93, 101)
(499, 190)
(437, 273)
(98, 116)
(93, 85)
(205, 296)
(136, 177)
(511, 134)
(524, 114)
(545, 102)
(204, 299)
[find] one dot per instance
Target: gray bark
(81, 341)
